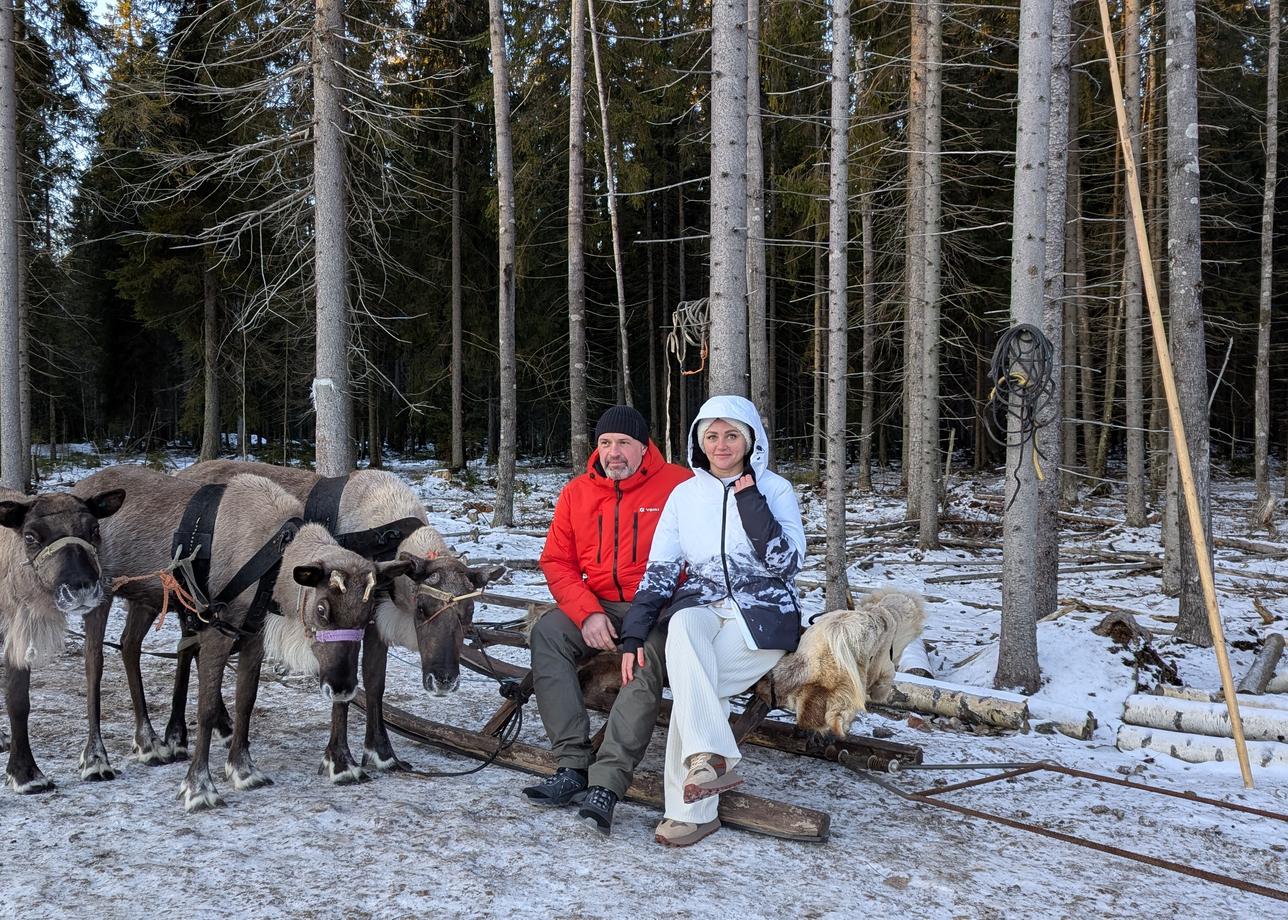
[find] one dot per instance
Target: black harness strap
(196, 534)
(262, 567)
(323, 503)
(380, 544)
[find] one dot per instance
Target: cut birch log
(1278, 683)
(1200, 718)
(1263, 701)
(1263, 667)
(915, 660)
(981, 706)
(1198, 748)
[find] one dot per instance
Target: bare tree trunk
(914, 260)
(580, 441)
(503, 515)
(458, 357)
(24, 352)
(332, 398)
(757, 341)
(1185, 296)
(651, 318)
(837, 559)
(1074, 294)
(1135, 410)
(1158, 413)
(932, 176)
(869, 339)
(1017, 660)
(610, 174)
(1261, 449)
(1098, 467)
(1048, 437)
(728, 299)
(11, 446)
(375, 441)
(210, 350)
(818, 376)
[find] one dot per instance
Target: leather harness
(379, 544)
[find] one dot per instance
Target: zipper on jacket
(724, 557)
(635, 538)
(599, 547)
(617, 504)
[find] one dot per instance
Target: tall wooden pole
(1174, 407)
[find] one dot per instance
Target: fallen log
(1198, 748)
(1128, 567)
(981, 706)
(1201, 718)
(1278, 683)
(1263, 666)
(737, 809)
(1263, 701)
(915, 660)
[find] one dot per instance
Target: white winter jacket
(747, 547)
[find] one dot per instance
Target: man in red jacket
(595, 555)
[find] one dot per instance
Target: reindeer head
(336, 601)
(61, 541)
(445, 588)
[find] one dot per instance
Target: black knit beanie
(622, 420)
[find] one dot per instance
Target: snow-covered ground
(472, 846)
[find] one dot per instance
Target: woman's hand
(628, 665)
(745, 481)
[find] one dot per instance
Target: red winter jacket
(598, 542)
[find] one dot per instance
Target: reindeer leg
(4, 736)
(240, 768)
(148, 748)
(176, 730)
(198, 788)
(93, 761)
(377, 752)
(338, 764)
(24, 776)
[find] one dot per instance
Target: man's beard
(618, 473)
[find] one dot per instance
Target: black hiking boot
(597, 806)
(558, 789)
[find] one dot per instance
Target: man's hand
(628, 665)
(597, 631)
(745, 481)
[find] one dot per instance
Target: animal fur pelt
(846, 658)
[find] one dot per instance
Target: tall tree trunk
(838, 587)
(1074, 291)
(728, 298)
(1185, 297)
(1157, 212)
(818, 426)
(332, 398)
(1017, 660)
(375, 440)
(1135, 410)
(928, 392)
(24, 349)
(757, 341)
(1261, 449)
(503, 515)
(650, 314)
(610, 174)
(458, 357)
(914, 260)
(869, 337)
(12, 450)
(1048, 437)
(580, 441)
(210, 426)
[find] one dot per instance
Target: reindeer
(324, 592)
(49, 571)
(429, 612)
(845, 658)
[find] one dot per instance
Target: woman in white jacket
(734, 532)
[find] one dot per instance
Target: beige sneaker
(709, 774)
(683, 833)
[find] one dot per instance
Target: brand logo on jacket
(644, 510)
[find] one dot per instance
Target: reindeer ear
(417, 566)
(106, 504)
(484, 574)
(12, 514)
(310, 576)
(388, 571)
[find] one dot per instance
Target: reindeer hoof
(153, 753)
(342, 777)
(246, 777)
(199, 797)
(388, 762)
(30, 783)
(95, 766)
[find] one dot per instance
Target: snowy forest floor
(472, 846)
